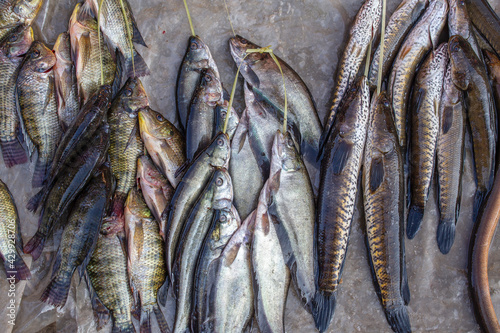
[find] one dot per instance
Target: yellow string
(189, 18)
(379, 78)
(129, 34)
(229, 18)
(99, 38)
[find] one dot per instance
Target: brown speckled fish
(419, 41)
(450, 160)
(460, 24)
(424, 133)
(340, 169)
(146, 259)
(37, 101)
(11, 136)
(469, 75)
(384, 197)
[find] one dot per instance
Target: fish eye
(223, 114)
(13, 38)
(220, 142)
(456, 47)
(208, 78)
(386, 103)
(219, 181)
(194, 46)
(244, 41)
(223, 218)
(128, 92)
(159, 117)
(35, 54)
(289, 142)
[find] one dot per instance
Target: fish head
(27, 10)
(133, 96)
(40, 58)
(153, 124)
(239, 47)
(147, 173)
(18, 43)
(462, 58)
(457, 13)
(434, 65)
(219, 150)
(382, 118)
(221, 114)
(62, 48)
(198, 54)
(223, 189)
(225, 227)
(135, 204)
(285, 155)
(211, 88)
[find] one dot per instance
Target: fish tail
(39, 175)
(145, 321)
(122, 323)
(141, 68)
(323, 307)
(18, 270)
(35, 245)
(478, 202)
(398, 319)
(34, 202)
(415, 216)
(445, 235)
(160, 318)
(13, 153)
(57, 291)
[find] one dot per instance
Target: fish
(108, 281)
(361, 34)
(216, 197)
(383, 196)
(12, 51)
(340, 170)
(450, 155)
(244, 170)
(66, 84)
(229, 284)
(400, 23)
(115, 24)
(196, 58)
(271, 276)
(146, 259)
(220, 119)
(459, 23)
(86, 157)
(82, 129)
(262, 127)
(11, 242)
(419, 41)
(87, 55)
(493, 66)
(37, 102)
(80, 235)
(486, 20)
(14, 14)
(291, 207)
(156, 189)
(196, 178)
(200, 126)
(262, 73)
(424, 132)
(213, 245)
(164, 143)
(125, 144)
(470, 76)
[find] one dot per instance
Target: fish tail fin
(122, 323)
(415, 216)
(445, 235)
(160, 318)
(323, 307)
(478, 202)
(34, 202)
(140, 66)
(398, 319)
(163, 292)
(13, 153)
(18, 269)
(57, 291)
(35, 245)
(40, 173)
(145, 321)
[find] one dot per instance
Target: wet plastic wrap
(310, 36)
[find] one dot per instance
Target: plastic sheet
(310, 36)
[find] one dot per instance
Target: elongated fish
(384, 197)
(419, 41)
(125, 144)
(215, 241)
(229, 284)
(200, 125)
(486, 21)
(450, 160)
(66, 84)
(156, 189)
(361, 34)
(164, 143)
(469, 75)
(398, 27)
(460, 24)
(493, 65)
(11, 136)
(262, 73)
(14, 14)
(80, 235)
(340, 169)
(216, 197)
(87, 156)
(424, 133)
(146, 259)
(37, 101)
(196, 58)
(11, 242)
(189, 189)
